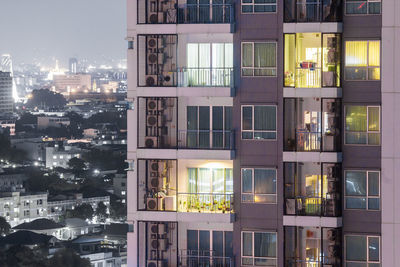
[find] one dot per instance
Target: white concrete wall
(390, 134)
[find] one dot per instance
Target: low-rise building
(10, 124)
(72, 83)
(46, 122)
(119, 184)
(10, 181)
(57, 156)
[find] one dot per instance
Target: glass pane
(356, 203)
(265, 118)
(247, 57)
(290, 59)
(192, 177)
(204, 238)
(264, 181)
(204, 55)
(356, 118)
(374, 139)
(264, 135)
(264, 55)
(192, 240)
(218, 243)
(373, 183)
(192, 118)
(247, 244)
(218, 181)
(373, 204)
(265, 198)
(373, 248)
(204, 181)
(374, 74)
(247, 197)
(356, 8)
(229, 244)
(264, 245)
(374, 54)
(356, 183)
(229, 180)
(356, 138)
(356, 248)
(356, 53)
(373, 119)
(247, 118)
(247, 186)
(356, 264)
(374, 8)
(356, 73)
(247, 135)
(193, 55)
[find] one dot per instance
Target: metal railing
(202, 258)
(313, 206)
(316, 11)
(205, 13)
(308, 141)
(206, 139)
(205, 202)
(198, 77)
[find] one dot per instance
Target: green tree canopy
(4, 226)
(44, 98)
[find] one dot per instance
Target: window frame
(252, 126)
(367, 262)
(262, 4)
(366, 67)
(367, 191)
(362, 14)
(253, 247)
(258, 68)
(367, 123)
(252, 187)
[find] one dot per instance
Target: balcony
(205, 202)
(312, 125)
(195, 258)
(313, 206)
(205, 77)
(172, 12)
(313, 11)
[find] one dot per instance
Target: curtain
(228, 180)
(247, 118)
(247, 178)
(247, 244)
(356, 118)
(264, 245)
(247, 56)
(373, 119)
(356, 53)
(264, 118)
(264, 181)
(218, 181)
(264, 55)
(373, 183)
(374, 54)
(192, 180)
(204, 181)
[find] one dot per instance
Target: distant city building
(10, 124)
(59, 157)
(119, 184)
(45, 122)
(11, 182)
(18, 207)
(73, 65)
(91, 133)
(35, 148)
(110, 87)
(71, 83)
(6, 94)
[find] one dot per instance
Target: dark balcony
(312, 189)
(172, 12)
(313, 11)
(195, 258)
(312, 124)
(206, 139)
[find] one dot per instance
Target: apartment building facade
(263, 133)
(6, 97)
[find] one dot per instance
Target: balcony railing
(313, 142)
(313, 206)
(205, 13)
(203, 258)
(205, 202)
(297, 262)
(205, 77)
(206, 139)
(313, 11)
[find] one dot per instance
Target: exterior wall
(73, 83)
(6, 99)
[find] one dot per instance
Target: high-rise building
(263, 133)
(73, 65)
(6, 92)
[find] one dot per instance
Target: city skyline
(60, 30)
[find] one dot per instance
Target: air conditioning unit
(156, 263)
(156, 17)
(151, 141)
(152, 204)
(159, 244)
(154, 43)
(167, 79)
(151, 80)
(154, 120)
(157, 166)
(156, 183)
(152, 105)
(155, 58)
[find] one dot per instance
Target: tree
(104, 160)
(4, 227)
(44, 98)
(77, 165)
(22, 256)
(8, 152)
(84, 211)
(101, 212)
(117, 210)
(39, 181)
(67, 258)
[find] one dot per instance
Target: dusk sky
(45, 30)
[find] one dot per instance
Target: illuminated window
(362, 190)
(259, 248)
(259, 185)
(362, 250)
(210, 180)
(258, 6)
(362, 60)
(259, 59)
(259, 122)
(354, 7)
(362, 125)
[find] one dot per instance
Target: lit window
(259, 185)
(123, 193)
(362, 250)
(259, 122)
(362, 190)
(362, 125)
(363, 60)
(259, 248)
(259, 59)
(257, 6)
(54, 157)
(354, 7)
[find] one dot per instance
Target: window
(363, 60)
(210, 180)
(362, 250)
(362, 125)
(259, 122)
(201, 242)
(362, 190)
(259, 248)
(258, 6)
(259, 59)
(355, 7)
(259, 185)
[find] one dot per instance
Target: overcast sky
(42, 30)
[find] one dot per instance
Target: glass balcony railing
(197, 259)
(206, 139)
(205, 77)
(313, 11)
(328, 206)
(205, 202)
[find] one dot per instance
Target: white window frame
(253, 194)
(367, 193)
(262, 4)
(360, 2)
(367, 249)
(366, 67)
(252, 240)
(367, 131)
(258, 68)
(252, 126)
